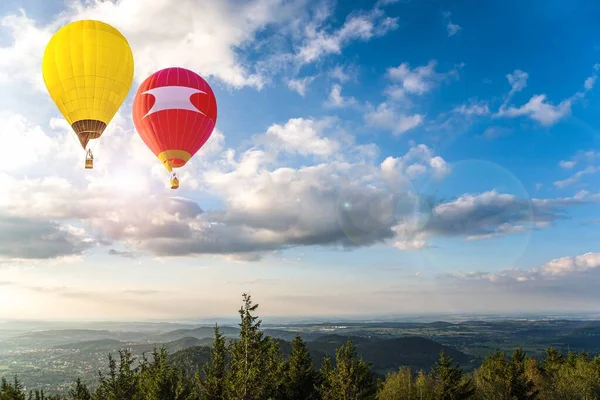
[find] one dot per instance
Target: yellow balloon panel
(88, 70)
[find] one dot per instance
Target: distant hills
(384, 355)
(199, 333)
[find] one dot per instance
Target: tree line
(253, 368)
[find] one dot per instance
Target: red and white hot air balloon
(174, 112)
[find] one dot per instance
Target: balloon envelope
(174, 112)
(88, 70)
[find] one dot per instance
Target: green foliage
(213, 385)
(503, 378)
(254, 368)
(79, 391)
(12, 391)
(299, 376)
(159, 380)
(450, 381)
(351, 379)
(250, 371)
(121, 382)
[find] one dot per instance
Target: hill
(201, 332)
(384, 355)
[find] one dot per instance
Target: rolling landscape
(52, 359)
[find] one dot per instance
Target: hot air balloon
(174, 112)
(88, 70)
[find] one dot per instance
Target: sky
(387, 157)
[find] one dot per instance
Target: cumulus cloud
(300, 136)
(337, 100)
(473, 108)
(265, 208)
(321, 41)
(31, 238)
(418, 80)
(386, 117)
(576, 177)
(158, 36)
(569, 278)
(223, 33)
(487, 215)
(300, 85)
(589, 157)
(567, 164)
(343, 74)
(452, 28)
(350, 201)
(16, 132)
(538, 107)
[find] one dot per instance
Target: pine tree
(80, 391)
(521, 385)
(12, 391)
(398, 385)
(425, 386)
(325, 384)
(450, 380)
(213, 385)
(274, 370)
(352, 378)
(41, 395)
(505, 379)
(122, 382)
(160, 381)
(247, 378)
(300, 375)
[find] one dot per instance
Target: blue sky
(337, 122)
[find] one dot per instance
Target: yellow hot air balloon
(88, 70)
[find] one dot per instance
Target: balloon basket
(174, 183)
(89, 164)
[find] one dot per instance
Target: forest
(253, 367)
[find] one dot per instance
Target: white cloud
(300, 85)
(576, 177)
(517, 80)
(385, 117)
(567, 164)
(343, 73)
(158, 36)
(452, 29)
(589, 82)
(337, 100)
(538, 108)
(589, 157)
(358, 26)
(419, 80)
(560, 276)
(407, 81)
(16, 132)
(569, 265)
(212, 38)
(300, 136)
(473, 108)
